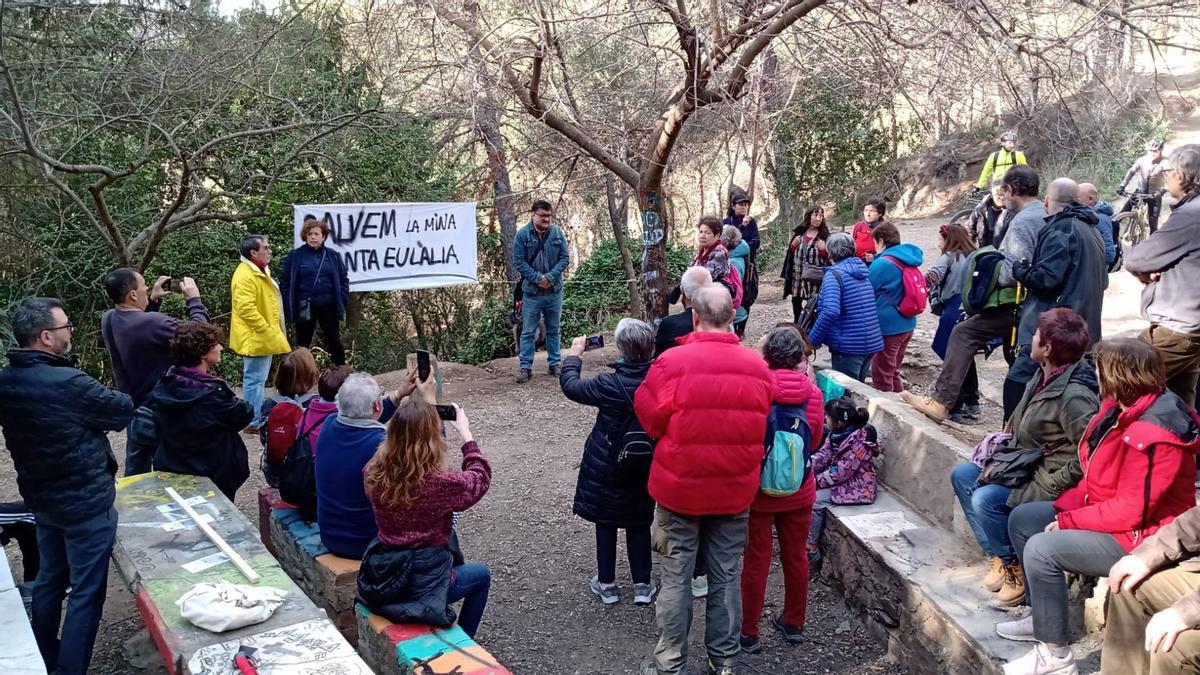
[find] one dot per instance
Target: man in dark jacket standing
(704, 475)
(677, 325)
(138, 339)
(1067, 269)
(1168, 263)
(55, 418)
(540, 256)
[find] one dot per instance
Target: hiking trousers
(1125, 628)
(968, 337)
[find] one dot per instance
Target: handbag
(1011, 467)
(810, 273)
(304, 311)
(988, 447)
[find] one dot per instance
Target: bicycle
(969, 204)
(1133, 226)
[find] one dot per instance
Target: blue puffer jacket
(889, 287)
(738, 257)
(1104, 211)
(846, 319)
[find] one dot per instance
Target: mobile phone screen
(422, 365)
(447, 412)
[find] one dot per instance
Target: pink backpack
(916, 294)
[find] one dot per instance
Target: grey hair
(784, 348)
(730, 237)
(693, 279)
(713, 305)
(356, 399)
(1062, 190)
(1186, 160)
(840, 246)
(30, 317)
(635, 339)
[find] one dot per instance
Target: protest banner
(399, 246)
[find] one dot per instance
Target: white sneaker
(1020, 630)
(1040, 661)
(700, 586)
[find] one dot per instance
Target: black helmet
(1154, 144)
(1008, 136)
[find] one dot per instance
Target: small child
(844, 466)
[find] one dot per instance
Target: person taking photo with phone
(138, 339)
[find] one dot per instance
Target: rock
(843, 627)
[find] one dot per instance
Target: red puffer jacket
(792, 387)
(706, 402)
(1139, 468)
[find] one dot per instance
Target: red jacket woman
(1139, 469)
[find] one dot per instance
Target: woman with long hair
(806, 259)
(414, 570)
(945, 283)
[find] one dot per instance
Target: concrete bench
(161, 555)
(401, 649)
(331, 581)
(268, 498)
(19, 653)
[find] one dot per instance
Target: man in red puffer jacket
(706, 402)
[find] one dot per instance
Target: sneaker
(994, 580)
(606, 592)
(791, 633)
(926, 405)
(552, 370)
(714, 669)
(814, 555)
(526, 373)
(1041, 661)
(643, 594)
(750, 644)
(648, 668)
(700, 586)
(972, 412)
(1020, 630)
(1012, 593)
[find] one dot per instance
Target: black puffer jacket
(199, 422)
(1068, 269)
(407, 584)
(55, 418)
(601, 496)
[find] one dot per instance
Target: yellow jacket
(256, 328)
(998, 163)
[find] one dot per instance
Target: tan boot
(1012, 593)
(994, 580)
(927, 405)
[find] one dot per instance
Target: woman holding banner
(316, 289)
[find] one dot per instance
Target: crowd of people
(703, 450)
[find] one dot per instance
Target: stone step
(19, 653)
(920, 589)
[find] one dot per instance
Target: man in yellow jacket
(999, 162)
(256, 329)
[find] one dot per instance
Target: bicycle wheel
(1132, 228)
(962, 217)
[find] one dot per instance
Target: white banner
(399, 246)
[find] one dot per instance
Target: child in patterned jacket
(844, 466)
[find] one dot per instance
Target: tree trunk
(654, 250)
(504, 202)
(618, 214)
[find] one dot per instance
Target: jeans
(533, 308)
(1047, 555)
(724, 539)
(853, 365)
(885, 367)
(986, 509)
(968, 337)
(470, 583)
(327, 317)
(255, 370)
(73, 555)
(824, 501)
(1125, 630)
(793, 528)
(1020, 373)
(637, 541)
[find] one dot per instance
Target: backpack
(750, 285)
(298, 472)
(916, 294)
(733, 281)
(633, 451)
(281, 430)
(981, 282)
(787, 463)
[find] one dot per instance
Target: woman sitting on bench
(414, 570)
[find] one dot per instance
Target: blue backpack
(787, 462)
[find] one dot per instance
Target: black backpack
(298, 472)
(633, 450)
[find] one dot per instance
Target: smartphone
(422, 365)
(174, 285)
(593, 342)
(447, 412)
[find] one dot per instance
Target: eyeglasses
(67, 326)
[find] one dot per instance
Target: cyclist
(986, 217)
(1146, 176)
(999, 162)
